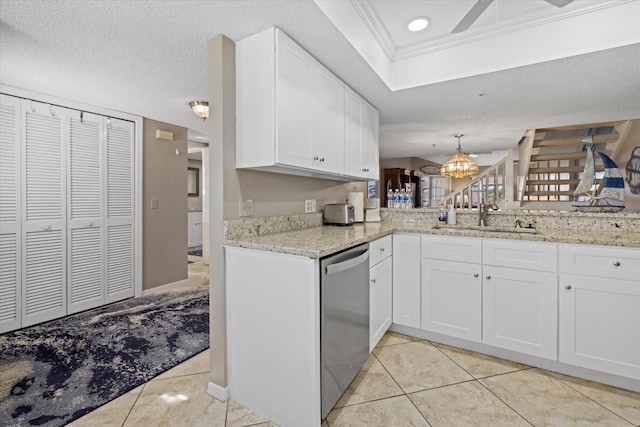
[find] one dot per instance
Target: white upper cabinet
(291, 113)
(360, 136)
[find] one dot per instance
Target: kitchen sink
(525, 230)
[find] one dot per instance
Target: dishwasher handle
(345, 265)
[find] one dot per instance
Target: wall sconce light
(200, 109)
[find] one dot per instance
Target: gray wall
(164, 230)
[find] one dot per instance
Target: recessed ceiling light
(418, 24)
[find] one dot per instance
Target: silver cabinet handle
(488, 277)
(616, 263)
(322, 159)
(46, 227)
(381, 249)
(315, 157)
(568, 287)
(373, 280)
(365, 169)
(88, 223)
(476, 275)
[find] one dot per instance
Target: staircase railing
(490, 184)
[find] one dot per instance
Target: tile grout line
(505, 403)
(589, 398)
(134, 404)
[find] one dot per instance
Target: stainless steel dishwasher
(344, 321)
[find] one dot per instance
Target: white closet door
(85, 260)
(119, 213)
(10, 239)
(43, 224)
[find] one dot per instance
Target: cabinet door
(452, 298)
(10, 214)
(85, 259)
(406, 280)
(379, 301)
(599, 321)
(328, 121)
(44, 295)
(520, 310)
(369, 148)
(119, 212)
(295, 77)
(361, 137)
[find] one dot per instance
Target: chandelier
(459, 166)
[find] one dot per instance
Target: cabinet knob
(476, 275)
(315, 157)
(488, 277)
(568, 287)
(322, 159)
(88, 223)
(616, 263)
(365, 169)
(381, 249)
(373, 280)
(46, 227)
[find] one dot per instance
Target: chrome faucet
(483, 211)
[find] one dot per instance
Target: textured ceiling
(149, 58)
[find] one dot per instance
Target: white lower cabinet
(451, 283)
(194, 229)
(406, 280)
(519, 310)
(380, 301)
(600, 308)
(452, 298)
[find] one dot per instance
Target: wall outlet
(310, 206)
(246, 207)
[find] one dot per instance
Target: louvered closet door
(43, 226)
(85, 249)
(10, 238)
(119, 200)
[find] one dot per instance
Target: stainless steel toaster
(338, 214)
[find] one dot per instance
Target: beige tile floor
(405, 382)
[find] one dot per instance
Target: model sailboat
(610, 198)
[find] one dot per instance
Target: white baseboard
(220, 393)
(165, 287)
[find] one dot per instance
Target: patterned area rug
(55, 372)
(195, 252)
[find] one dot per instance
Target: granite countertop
(317, 242)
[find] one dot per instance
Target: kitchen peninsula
(273, 276)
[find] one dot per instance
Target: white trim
(138, 123)
(165, 287)
(220, 393)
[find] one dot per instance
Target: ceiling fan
(481, 5)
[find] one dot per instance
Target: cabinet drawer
(518, 254)
(379, 250)
(600, 261)
(452, 248)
